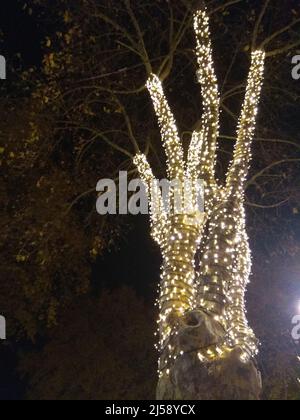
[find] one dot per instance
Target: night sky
(21, 33)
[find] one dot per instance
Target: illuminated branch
(240, 334)
(242, 154)
(208, 135)
(169, 132)
(158, 215)
(239, 259)
(225, 254)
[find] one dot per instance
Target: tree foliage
(102, 349)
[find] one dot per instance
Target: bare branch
(224, 6)
(258, 23)
(118, 27)
(167, 63)
(129, 126)
(271, 206)
(282, 50)
(143, 49)
(103, 136)
(280, 32)
(271, 166)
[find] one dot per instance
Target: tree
(46, 241)
(202, 324)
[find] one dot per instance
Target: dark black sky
(136, 263)
(21, 33)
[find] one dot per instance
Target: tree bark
(207, 348)
(192, 378)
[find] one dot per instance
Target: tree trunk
(207, 348)
(192, 377)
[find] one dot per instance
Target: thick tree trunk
(206, 346)
(193, 377)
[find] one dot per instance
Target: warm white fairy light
(242, 154)
(169, 132)
(202, 151)
(157, 212)
(178, 236)
(225, 264)
(240, 332)
(203, 145)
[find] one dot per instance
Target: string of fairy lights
(225, 266)
(169, 131)
(238, 170)
(207, 136)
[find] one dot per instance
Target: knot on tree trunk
(199, 330)
(201, 368)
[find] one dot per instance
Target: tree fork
(207, 350)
